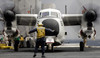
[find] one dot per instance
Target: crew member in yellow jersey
(21, 41)
(40, 41)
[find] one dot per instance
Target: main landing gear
(83, 44)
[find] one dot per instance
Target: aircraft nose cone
(52, 24)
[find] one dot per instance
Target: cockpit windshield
(48, 14)
(45, 14)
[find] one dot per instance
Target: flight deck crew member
(16, 43)
(40, 38)
(1, 40)
(21, 41)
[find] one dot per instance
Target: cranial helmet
(40, 24)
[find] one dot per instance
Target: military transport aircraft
(53, 19)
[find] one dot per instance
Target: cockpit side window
(54, 14)
(49, 14)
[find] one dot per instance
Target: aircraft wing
(26, 19)
(72, 19)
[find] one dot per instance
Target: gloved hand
(53, 30)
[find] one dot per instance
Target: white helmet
(40, 24)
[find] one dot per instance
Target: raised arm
(32, 30)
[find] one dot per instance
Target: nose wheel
(50, 47)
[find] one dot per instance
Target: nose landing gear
(50, 47)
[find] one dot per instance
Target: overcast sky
(73, 6)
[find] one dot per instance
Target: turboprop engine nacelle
(9, 17)
(11, 33)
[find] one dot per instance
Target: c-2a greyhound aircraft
(53, 19)
(50, 18)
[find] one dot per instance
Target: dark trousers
(21, 44)
(16, 45)
(9, 43)
(40, 42)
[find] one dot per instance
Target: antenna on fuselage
(65, 9)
